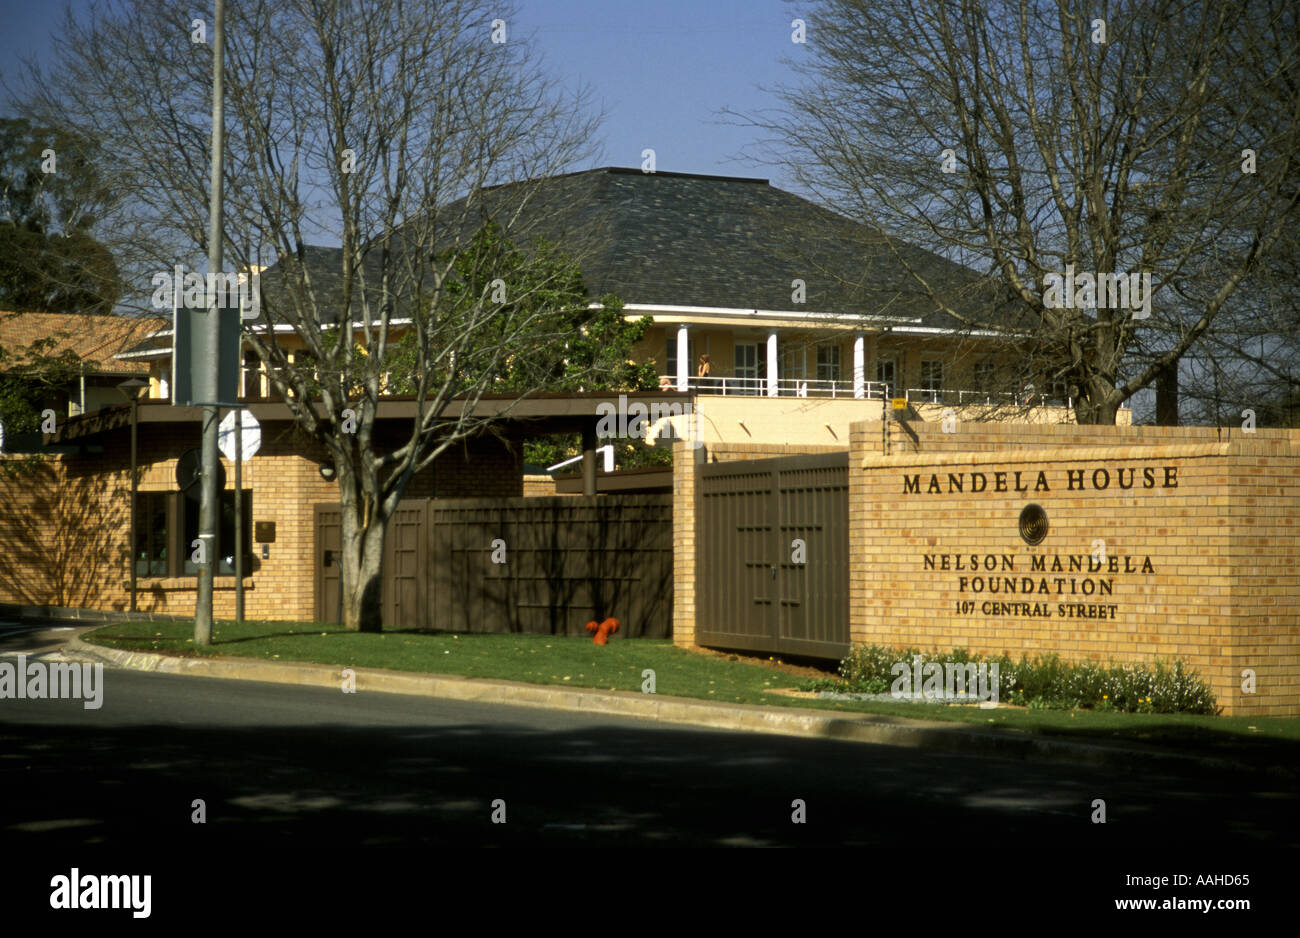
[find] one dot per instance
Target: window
(151, 527)
(793, 361)
(670, 368)
(985, 375)
(167, 524)
(252, 377)
(932, 375)
(225, 534)
(887, 374)
(828, 363)
(792, 368)
(751, 367)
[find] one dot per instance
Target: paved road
(308, 767)
(37, 637)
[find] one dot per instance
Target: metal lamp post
(131, 388)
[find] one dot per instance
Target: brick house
(810, 320)
(804, 338)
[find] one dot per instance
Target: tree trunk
(1099, 406)
(362, 548)
(1167, 397)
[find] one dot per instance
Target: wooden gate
(542, 565)
(405, 579)
(328, 539)
(772, 567)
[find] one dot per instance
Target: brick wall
(66, 524)
(484, 467)
(1222, 592)
(539, 486)
(684, 462)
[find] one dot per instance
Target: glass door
(887, 374)
(751, 367)
(794, 368)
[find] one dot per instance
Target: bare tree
(1249, 366)
(1031, 138)
(390, 133)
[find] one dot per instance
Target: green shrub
(1044, 682)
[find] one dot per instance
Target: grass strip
(619, 665)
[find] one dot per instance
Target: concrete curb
(864, 728)
(64, 614)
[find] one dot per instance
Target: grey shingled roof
(689, 240)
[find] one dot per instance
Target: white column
(772, 374)
(859, 367)
(683, 358)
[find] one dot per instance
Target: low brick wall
(1162, 542)
(538, 486)
(66, 523)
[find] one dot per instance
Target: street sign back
(251, 439)
(192, 354)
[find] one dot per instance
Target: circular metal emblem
(1033, 524)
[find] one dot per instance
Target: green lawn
(576, 662)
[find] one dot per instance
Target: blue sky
(660, 70)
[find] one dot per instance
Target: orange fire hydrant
(602, 631)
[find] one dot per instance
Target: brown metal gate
(753, 590)
(567, 560)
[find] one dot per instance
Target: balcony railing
(956, 397)
(785, 387)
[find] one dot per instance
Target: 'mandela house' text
(1076, 480)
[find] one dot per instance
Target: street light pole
(135, 488)
(239, 511)
(209, 500)
(132, 387)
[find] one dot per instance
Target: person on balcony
(703, 370)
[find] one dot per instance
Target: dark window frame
(670, 357)
(829, 362)
(932, 374)
(174, 542)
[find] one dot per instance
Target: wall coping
(1181, 434)
(1050, 455)
(792, 449)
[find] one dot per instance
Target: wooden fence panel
(568, 560)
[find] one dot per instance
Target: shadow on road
(337, 785)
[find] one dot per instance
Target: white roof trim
(935, 330)
(729, 311)
(896, 325)
(280, 329)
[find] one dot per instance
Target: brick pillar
(862, 440)
(684, 466)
